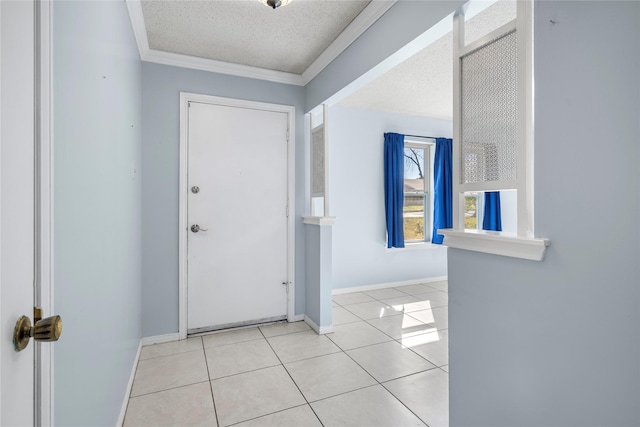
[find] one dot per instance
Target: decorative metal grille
(489, 112)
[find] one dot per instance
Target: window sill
(497, 243)
(414, 246)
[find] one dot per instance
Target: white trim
(160, 339)
(139, 29)
(410, 49)
(388, 285)
(521, 244)
(238, 70)
(416, 246)
(182, 219)
(127, 394)
(488, 186)
(291, 208)
(45, 131)
(355, 29)
(502, 31)
(526, 103)
(5, 341)
(319, 220)
(497, 243)
(156, 339)
(457, 44)
(297, 318)
(320, 330)
(185, 98)
(325, 133)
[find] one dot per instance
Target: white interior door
(237, 261)
(16, 207)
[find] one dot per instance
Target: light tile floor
(385, 364)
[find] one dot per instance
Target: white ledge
(319, 220)
(497, 243)
(414, 247)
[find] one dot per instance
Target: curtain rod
(421, 136)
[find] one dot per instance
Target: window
(416, 192)
(493, 137)
(472, 210)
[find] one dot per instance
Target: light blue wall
(402, 23)
(97, 143)
(318, 274)
(557, 343)
(161, 87)
(360, 254)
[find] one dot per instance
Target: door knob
(195, 228)
(46, 330)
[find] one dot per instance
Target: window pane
(413, 216)
(414, 170)
(471, 211)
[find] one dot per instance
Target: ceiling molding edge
(139, 29)
(359, 25)
(203, 64)
(355, 29)
(238, 70)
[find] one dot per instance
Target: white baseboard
(298, 318)
(320, 330)
(388, 285)
(159, 339)
(127, 393)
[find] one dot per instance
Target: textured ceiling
(423, 84)
(247, 32)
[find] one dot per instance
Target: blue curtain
(443, 188)
(492, 217)
(394, 188)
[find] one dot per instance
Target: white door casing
(26, 377)
(240, 155)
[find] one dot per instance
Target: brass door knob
(46, 330)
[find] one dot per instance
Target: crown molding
(186, 61)
(139, 29)
(355, 29)
(359, 25)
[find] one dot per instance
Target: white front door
(237, 216)
(16, 207)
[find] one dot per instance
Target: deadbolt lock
(195, 189)
(46, 330)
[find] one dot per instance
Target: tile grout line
(389, 305)
(292, 380)
(409, 348)
(243, 372)
(167, 389)
(403, 313)
(403, 404)
(213, 399)
(281, 363)
(166, 355)
(382, 385)
(394, 340)
(270, 413)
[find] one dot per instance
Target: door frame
(42, 25)
(185, 98)
(44, 193)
